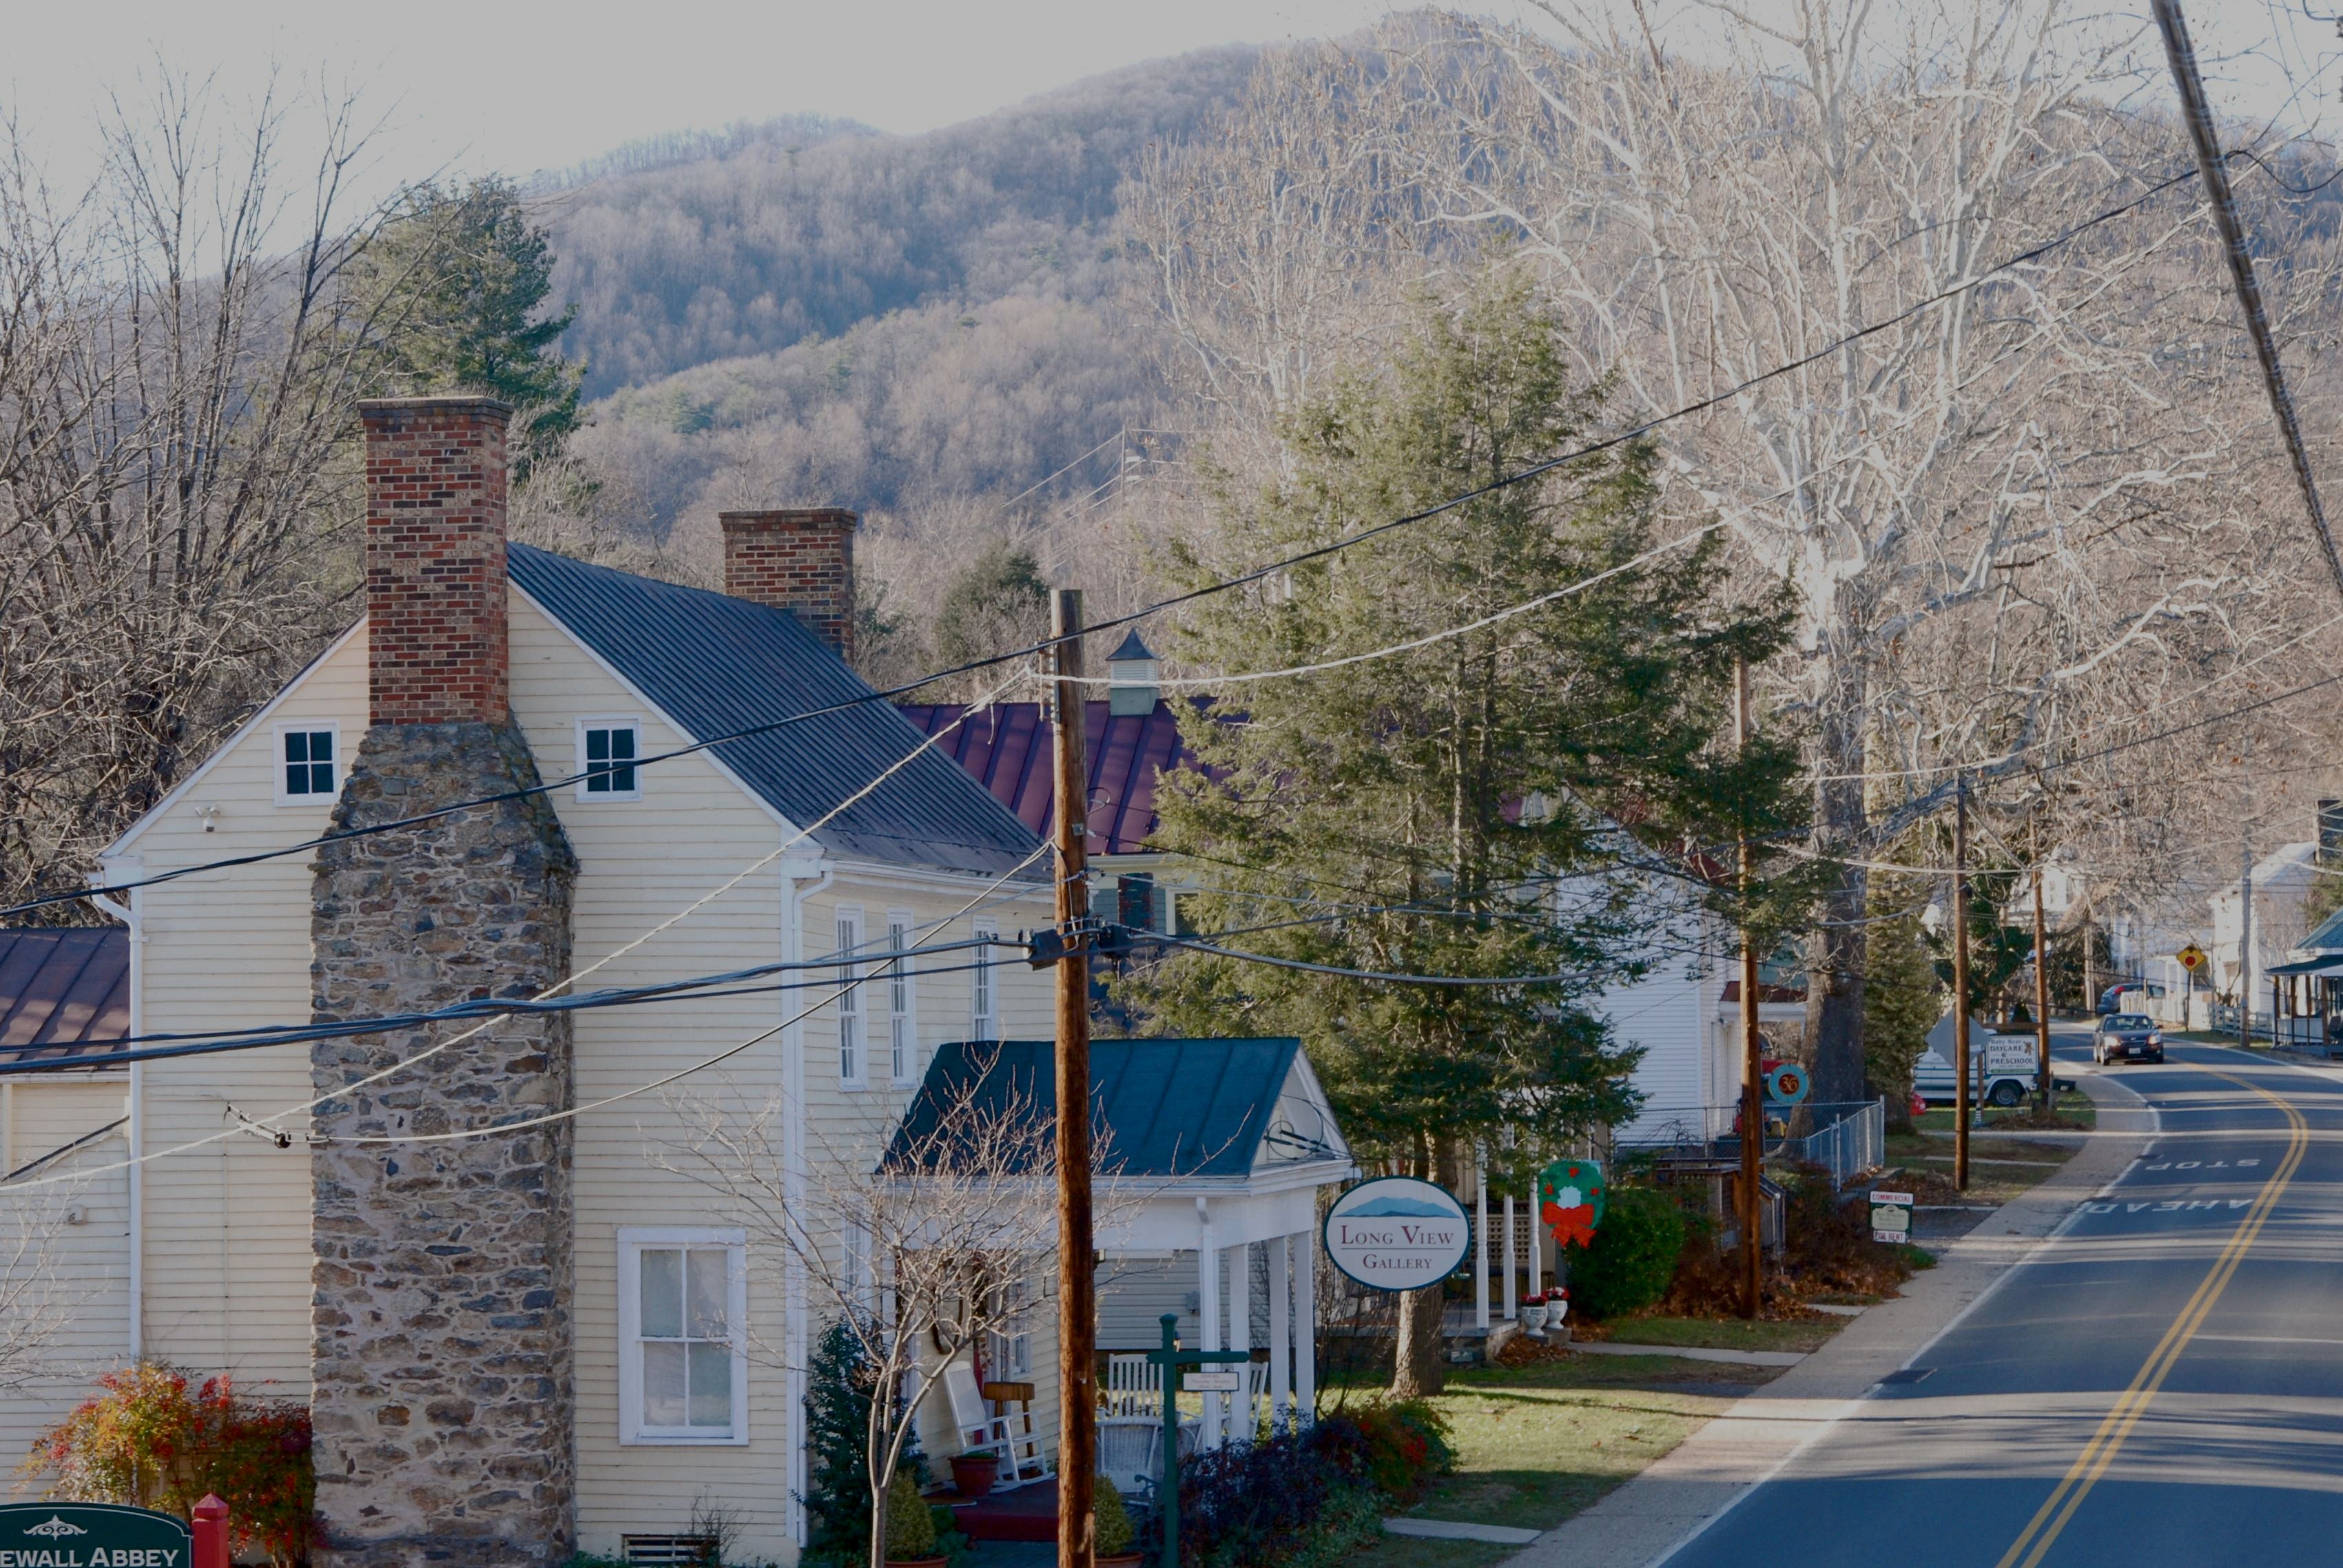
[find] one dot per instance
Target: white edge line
(1847, 1407)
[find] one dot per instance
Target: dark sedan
(2126, 1037)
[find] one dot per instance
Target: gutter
(794, 1172)
(134, 1173)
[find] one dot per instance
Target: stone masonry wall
(441, 1347)
(801, 561)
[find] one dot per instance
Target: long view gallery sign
(1397, 1233)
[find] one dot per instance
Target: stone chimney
(440, 1343)
(800, 560)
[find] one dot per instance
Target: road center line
(2043, 1529)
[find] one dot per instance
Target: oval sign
(92, 1535)
(1397, 1233)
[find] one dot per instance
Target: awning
(2329, 966)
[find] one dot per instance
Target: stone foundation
(441, 1337)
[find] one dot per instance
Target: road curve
(2160, 1385)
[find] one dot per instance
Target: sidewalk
(1644, 1521)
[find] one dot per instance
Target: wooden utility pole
(1961, 983)
(2044, 1084)
(1753, 1086)
(1077, 1258)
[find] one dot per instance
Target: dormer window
(608, 753)
(308, 760)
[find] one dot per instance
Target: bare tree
(920, 1239)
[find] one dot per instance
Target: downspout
(794, 1177)
(134, 1175)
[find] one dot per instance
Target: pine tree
(1902, 1001)
(838, 1454)
(1457, 809)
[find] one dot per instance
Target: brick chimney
(442, 1388)
(435, 557)
(800, 561)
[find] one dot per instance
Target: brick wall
(436, 559)
(800, 561)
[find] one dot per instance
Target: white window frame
(984, 986)
(1009, 1354)
(901, 995)
(628, 721)
(853, 1018)
(276, 764)
(633, 1242)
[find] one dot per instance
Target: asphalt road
(2161, 1386)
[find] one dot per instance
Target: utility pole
(1753, 1086)
(1077, 1255)
(1961, 983)
(2044, 1084)
(2244, 940)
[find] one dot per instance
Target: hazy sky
(519, 86)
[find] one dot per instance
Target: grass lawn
(2070, 1105)
(1536, 1445)
(2000, 1169)
(1727, 1333)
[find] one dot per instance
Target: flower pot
(974, 1473)
(1533, 1319)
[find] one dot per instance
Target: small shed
(1210, 1149)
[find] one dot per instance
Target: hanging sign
(1891, 1216)
(1397, 1233)
(1211, 1383)
(92, 1535)
(1787, 1083)
(1571, 1195)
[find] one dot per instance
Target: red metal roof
(64, 993)
(1006, 746)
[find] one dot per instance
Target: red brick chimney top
(798, 560)
(435, 558)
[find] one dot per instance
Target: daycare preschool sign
(1397, 1233)
(92, 1535)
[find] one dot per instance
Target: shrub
(156, 1438)
(1406, 1443)
(911, 1528)
(1114, 1531)
(837, 1464)
(1634, 1256)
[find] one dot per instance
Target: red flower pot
(974, 1473)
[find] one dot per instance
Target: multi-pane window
(684, 1295)
(307, 764)
(607, 751)
(849, 1002)
(1009, 1350)
(902, 1032)
(983, 1011)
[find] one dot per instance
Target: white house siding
(73, 1234)
(1670, 1014)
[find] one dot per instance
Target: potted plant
(1534, 1315)
(911, 1528)
(1114, 1531)
(974, 1473)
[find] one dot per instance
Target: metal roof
(716, 665)
(63, 993)
(1005, 746)
(1161, 1107)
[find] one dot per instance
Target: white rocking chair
(981, 1431)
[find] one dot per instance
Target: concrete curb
(1645, 1522)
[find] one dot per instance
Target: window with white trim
(851, 1066)
(983, 995)
(902, 1025)
(308, 762)
(1009, 1347)
(683, 1304)
(608, 750)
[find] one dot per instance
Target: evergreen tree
(1902, 1001)
(457, 280)
(838, 1449)
(999, 601)
(1457, 809)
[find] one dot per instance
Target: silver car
(2126, 1037)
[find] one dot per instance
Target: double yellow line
(2035, 1540)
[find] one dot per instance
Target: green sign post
(1170, 1358)
(98, 1535)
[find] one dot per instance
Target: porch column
(1280, 1333)
(1243, 1418)
(1537, 1270)
(1513, 1266)
(1480, 1245)
(1208, 1323)
(1305, 1332)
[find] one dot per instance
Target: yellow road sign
(2192, 957)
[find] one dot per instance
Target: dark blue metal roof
(1163, 1107)
(717, 665)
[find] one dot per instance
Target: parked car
(2126, 1037)
(2001, 1072)
(2111, 1000)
